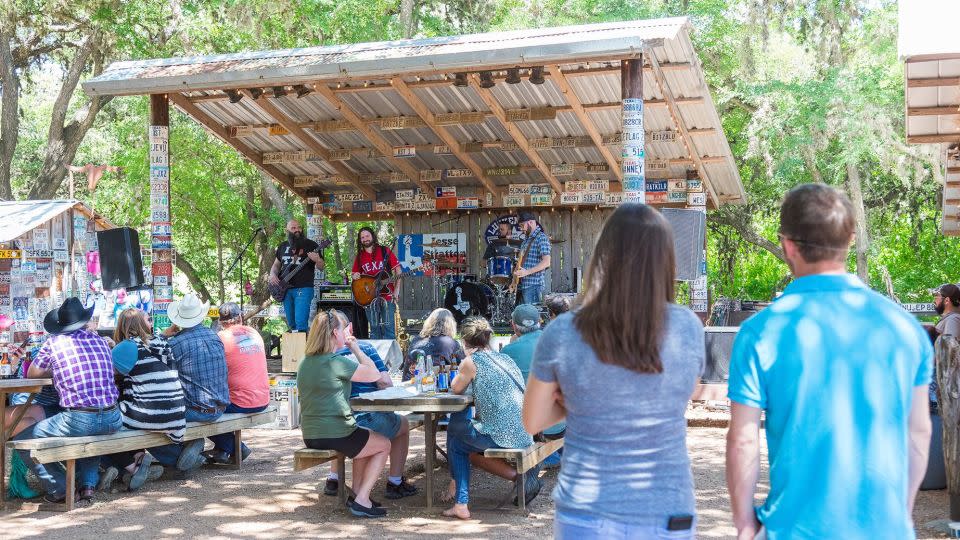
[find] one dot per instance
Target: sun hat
(188, 312)
(124, 356)
(70, 316)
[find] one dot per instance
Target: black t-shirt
(303, 278)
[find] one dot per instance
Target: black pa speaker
(689, 228)
(120, 264)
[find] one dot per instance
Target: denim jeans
(225, 441)
(532, 294)
(462, 440)
(380, 315)
(296, 307)
(70, 424)
(167, 454)
(568, 526)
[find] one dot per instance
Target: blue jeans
(532, 294)
(70, 424)
(462, 440)
(380, 315)
(167, 454)
(225, 441)
(296, 307)
(568, 526)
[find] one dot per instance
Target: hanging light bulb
(233, 95)
(302, 90)
(279, 91)
(255, 93)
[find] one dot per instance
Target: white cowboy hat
(188, 312)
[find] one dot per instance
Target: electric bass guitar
(279, 290)
(366, 289)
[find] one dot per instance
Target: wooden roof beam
(487, 96)
(925, 139)
(574, 101)
(374, 137)
(306, 139)
(933, 111)
(934, 82)
(223, 133)
(424, 112)
(668, 96)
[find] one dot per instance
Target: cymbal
(506, 241)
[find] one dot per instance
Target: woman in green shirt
(327, 422)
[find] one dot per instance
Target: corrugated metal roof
(589, 54)
(19, 217)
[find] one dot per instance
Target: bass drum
(468, 299)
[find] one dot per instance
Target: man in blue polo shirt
(842, 375)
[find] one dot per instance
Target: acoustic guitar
(279, 291)
(366, 289)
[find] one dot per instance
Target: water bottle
(418, 381)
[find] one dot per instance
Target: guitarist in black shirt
(299, 295)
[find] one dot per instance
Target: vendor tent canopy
(19, 217)
(929, 43)
(374, 118)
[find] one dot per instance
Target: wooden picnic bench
(524, 459)
(70, 449)
(306, 458)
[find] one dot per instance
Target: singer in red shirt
(375, 260)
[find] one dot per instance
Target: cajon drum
(293, 347)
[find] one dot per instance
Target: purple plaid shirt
(82, 369)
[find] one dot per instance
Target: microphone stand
(236, 261)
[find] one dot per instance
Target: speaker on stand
(120, 264)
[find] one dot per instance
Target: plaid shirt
(82, 369)
(539, 249)
(199, 358)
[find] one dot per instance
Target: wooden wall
(573, 235)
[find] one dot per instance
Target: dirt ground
(267, 500)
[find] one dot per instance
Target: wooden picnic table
(14, 386)
(431, 406)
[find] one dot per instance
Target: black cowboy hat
(70, 316)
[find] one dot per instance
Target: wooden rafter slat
(380, 143)
(574, 101)
(694, 154)
(934, 82)
(487, 96)
(424, 112)
(306, 139)
(223, 133)
(933, 111)
(924, 139)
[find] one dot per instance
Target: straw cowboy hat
(70, 316)
(188, 312)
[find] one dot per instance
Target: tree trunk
(948, 390)
(194, 277)
(335, 239)
(9, 114)
(863, 240)
(408, 17)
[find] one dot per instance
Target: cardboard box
(293, 346)
(286, 398)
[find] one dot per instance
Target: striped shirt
(81, 367)
(151, 396)
(539, 248)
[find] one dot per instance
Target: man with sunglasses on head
(389, 424)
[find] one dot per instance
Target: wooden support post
(161, 231)
(237, 448)
(699, 292)
(631, 93)
(342, 475)
(71, 484)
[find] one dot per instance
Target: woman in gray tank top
(620, 370)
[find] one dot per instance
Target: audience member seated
(526, 330)
(79, 363)
(247, 376)
(197, 355)
(326, 420)
(151, 397)
(557, 304)
(389, 424)
(498, 398)
(437, 340)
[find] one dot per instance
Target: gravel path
(270, 501)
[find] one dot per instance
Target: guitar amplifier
(355, 313)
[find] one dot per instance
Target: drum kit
(489, 297)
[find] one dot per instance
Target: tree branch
(194, 277)
(741, 222)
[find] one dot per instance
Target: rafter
(574, 101)
(220, 131)
(306, 139)
(487, 96)
(381, 144)
(924, 139)
(424, 112)
(933, 111)
(694, 154)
